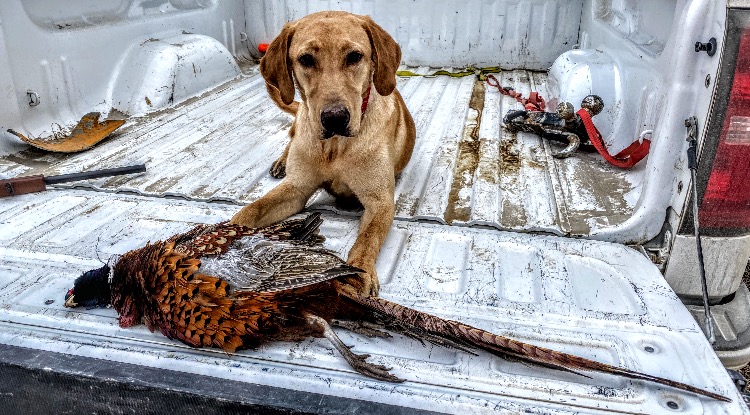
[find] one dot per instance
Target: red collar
(365, 100)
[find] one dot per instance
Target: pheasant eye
(306, 60)
(353, 58)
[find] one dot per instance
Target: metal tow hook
(692, 138)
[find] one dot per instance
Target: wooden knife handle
(22, 185)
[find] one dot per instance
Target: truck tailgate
(595, 299)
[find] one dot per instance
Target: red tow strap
(625, 159)
(534, 102)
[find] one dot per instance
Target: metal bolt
(673, 405)
(33, 98)
(708, 80)
(649, 349)
(49, 301)
(709, 47)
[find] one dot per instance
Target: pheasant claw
(358, 362)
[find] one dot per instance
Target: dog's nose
(335, 119)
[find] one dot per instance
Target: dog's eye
(353, 58)
(306, 60)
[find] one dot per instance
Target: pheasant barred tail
(506, 347)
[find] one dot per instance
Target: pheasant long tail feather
(503, 346)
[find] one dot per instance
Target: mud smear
(35, 159)
(510, 159)
(513, 213)
(607, 187)
(489, 172)
(459, 208)
(406, 205)
(163, 184)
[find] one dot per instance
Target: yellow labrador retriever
(352, 133)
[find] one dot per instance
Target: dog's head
(334, 57)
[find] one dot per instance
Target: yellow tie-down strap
(468, 71)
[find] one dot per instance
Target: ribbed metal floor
(465, 169)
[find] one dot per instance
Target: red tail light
(726, 201)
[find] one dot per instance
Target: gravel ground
(746, 279)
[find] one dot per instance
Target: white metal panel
(72, 55)
(159, 73)
(510, 33)
(595, 299)
(677, 77)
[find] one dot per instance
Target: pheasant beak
(69, 297)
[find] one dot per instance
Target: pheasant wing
(298, 266)
(217, 239)
(258, 265)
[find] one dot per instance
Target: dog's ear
(276, 67)
(386, 55)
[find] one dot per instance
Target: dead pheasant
(234, 287)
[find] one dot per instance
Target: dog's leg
(278, 168)
(373, 229)
(283, 201)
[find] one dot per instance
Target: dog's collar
(366, 100)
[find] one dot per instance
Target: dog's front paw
(247, 216)
(278, 168)
(366, 283)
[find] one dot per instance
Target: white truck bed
(446, 254)
(465, 169)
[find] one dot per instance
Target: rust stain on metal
(477, 103)
(514, 215)
(84, 135)
(459, 209)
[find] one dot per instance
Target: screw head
(33, 98)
